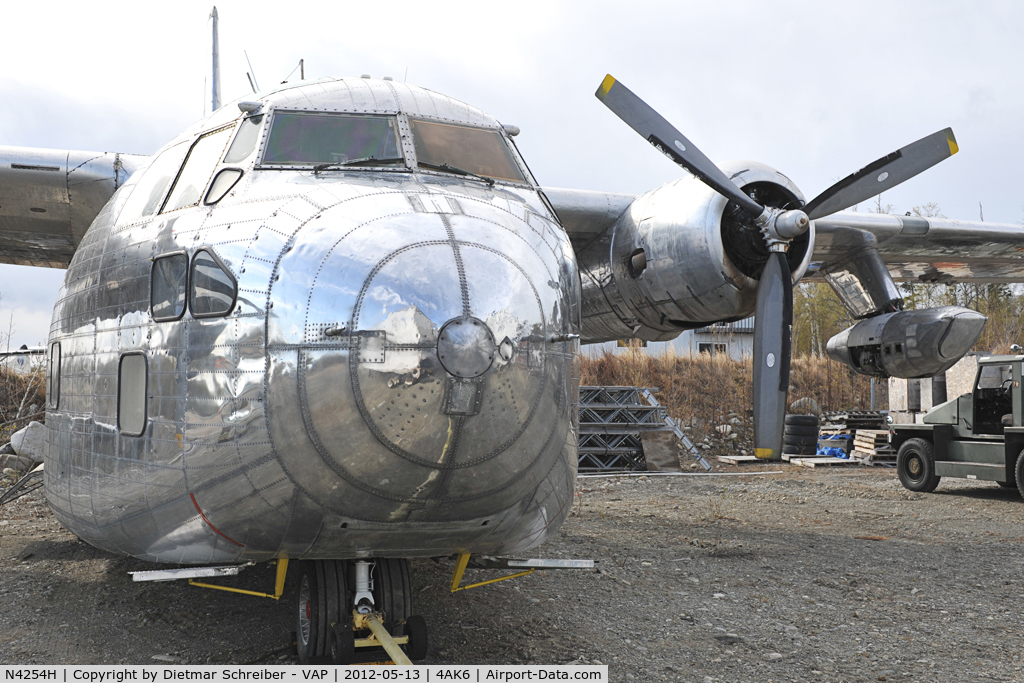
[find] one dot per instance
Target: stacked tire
(800, 435)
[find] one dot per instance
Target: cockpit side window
(213, 289)
(202, 159)
(245, 140)
(169, 286)
(149, 190)
(309, 139)
(476, 150)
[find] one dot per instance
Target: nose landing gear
(352, 612)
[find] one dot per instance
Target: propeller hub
(789, 224)
(779, 227)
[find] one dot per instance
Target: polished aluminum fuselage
(268, 437)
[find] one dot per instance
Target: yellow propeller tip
(764, 453)
(953, 147)
(606, 85)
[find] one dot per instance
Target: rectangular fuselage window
(169, 286)
(131, 394)
(53, 377)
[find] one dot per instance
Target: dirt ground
(807, 575)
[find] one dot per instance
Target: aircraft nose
(439, 387)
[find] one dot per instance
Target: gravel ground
(808, 575)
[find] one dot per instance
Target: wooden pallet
(740, 459)
(872, 437)
(878, 457)
(871, 447)
(821, 462)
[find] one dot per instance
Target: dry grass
(22, 398)
(702, 390)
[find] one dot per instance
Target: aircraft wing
(49, 197)
(923, 249)
(585, 214)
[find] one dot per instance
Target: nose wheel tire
(915, 465)
(308, 613)
(324, 611)
(324, 608)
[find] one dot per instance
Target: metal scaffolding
(611, 422)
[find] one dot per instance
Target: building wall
(737, 338)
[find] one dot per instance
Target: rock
(724, 429)
(16, 464)
(29, 442)
(660, 451)
(773, 656)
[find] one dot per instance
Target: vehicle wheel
(800, 430)
(343, 643)
(308, 613)
(1018, 472)
(789, 440)
(799, 449)
(802, 420)
(416, 629)
(1007, 484)
(915, 465)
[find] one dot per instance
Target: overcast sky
(816, 89)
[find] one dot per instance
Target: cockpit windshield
(315, 138)
(475, 151)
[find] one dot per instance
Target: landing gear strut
(376, 593)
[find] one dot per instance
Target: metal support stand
(465, 561)
(282, 570)
(460, 567)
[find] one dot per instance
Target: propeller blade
(653, 127)
(884, 174)
(772, 337)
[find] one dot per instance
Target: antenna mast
(215, 82)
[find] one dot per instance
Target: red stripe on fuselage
(193, 496)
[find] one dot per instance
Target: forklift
(974, 436)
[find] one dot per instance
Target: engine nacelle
(908, 344)
(683, 256)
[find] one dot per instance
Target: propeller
(773, 322)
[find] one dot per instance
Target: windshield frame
(514, 156)
(402, 128)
